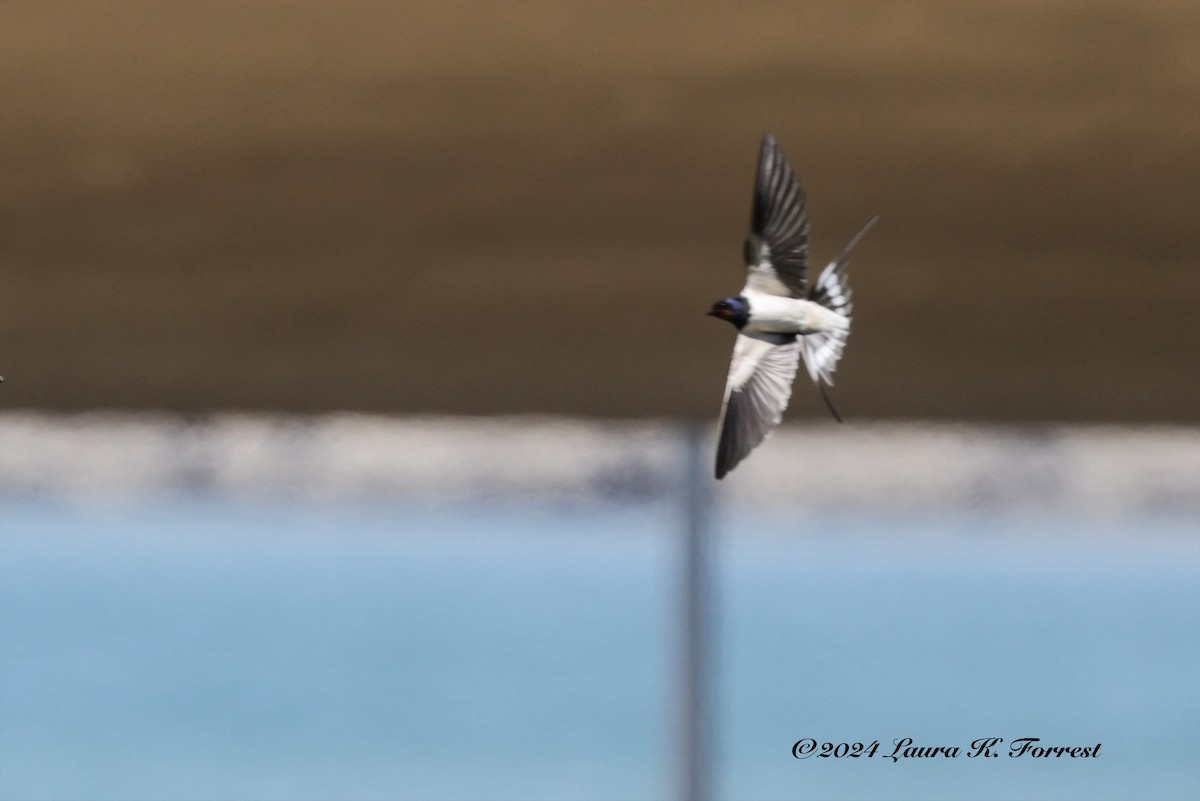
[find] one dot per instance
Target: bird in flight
(777, 315)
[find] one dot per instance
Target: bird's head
(735, 310)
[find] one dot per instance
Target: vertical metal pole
(697, 618)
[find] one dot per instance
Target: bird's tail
(831, 290)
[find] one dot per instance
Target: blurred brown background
(526, 207)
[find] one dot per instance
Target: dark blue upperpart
(735, 310)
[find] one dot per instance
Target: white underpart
(773, 314)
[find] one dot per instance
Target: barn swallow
(778, 317)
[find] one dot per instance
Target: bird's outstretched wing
(756, 393)
(776, 251)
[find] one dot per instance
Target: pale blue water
(210, 650)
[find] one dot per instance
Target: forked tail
(832, 290)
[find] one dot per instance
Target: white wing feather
(756, 394)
